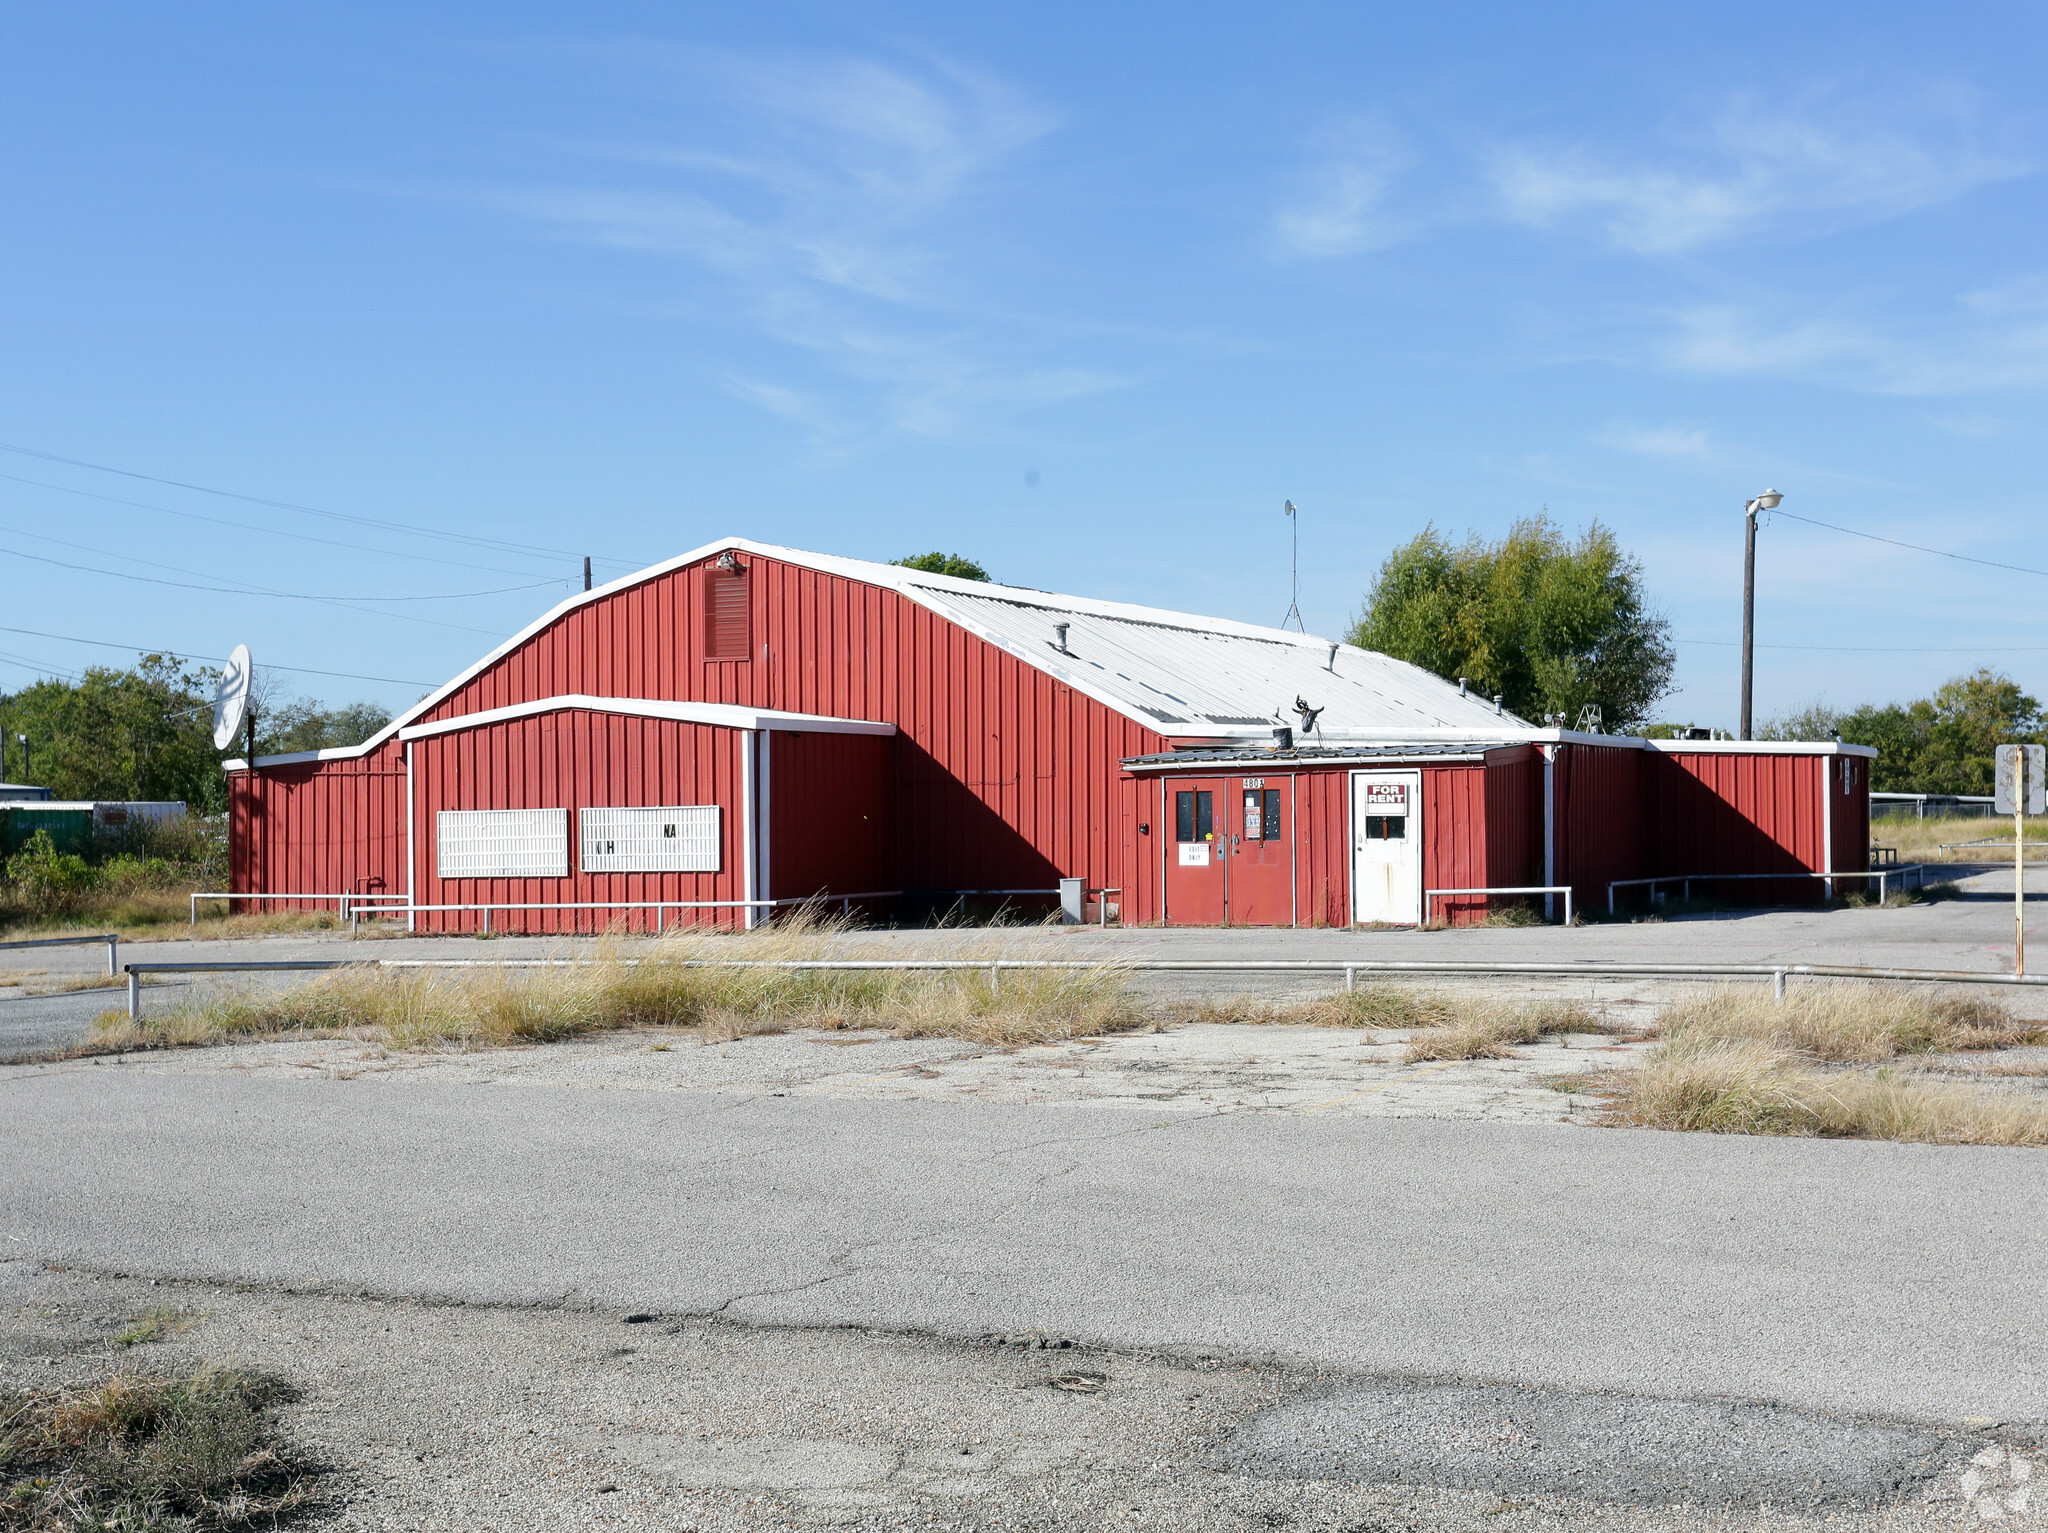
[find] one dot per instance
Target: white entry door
(1386, 847)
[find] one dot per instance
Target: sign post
(2022, 789)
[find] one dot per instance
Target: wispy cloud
(1991, 339)
(827, 194)
(1338, 205)
(1659, 441)
(1758, 168)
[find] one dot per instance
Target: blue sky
(1084, 292)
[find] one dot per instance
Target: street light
(1767, 501)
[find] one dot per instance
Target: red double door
(1229, 859)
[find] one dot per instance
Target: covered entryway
(1386, 848)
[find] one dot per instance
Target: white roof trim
(723, 715)
(1765, 747)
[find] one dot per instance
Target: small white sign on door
(1194, 854)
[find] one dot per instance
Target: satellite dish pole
(1294, 594)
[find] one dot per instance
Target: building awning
(1314, 755)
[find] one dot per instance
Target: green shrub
(47, 882)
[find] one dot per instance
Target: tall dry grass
(683, 980)
(1738, 1063)
(1847, 1022)
(1721, 1086)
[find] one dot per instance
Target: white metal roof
(1187, 677)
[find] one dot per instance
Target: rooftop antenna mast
(1294, 595)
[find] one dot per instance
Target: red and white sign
(1386, 798)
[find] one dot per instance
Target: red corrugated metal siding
(1514, 816)
(573, 760)
(1322, 847)
(1600, 817)
(333, 827)
(1454, 839)
(828, 814)
(1005, 778)
(1739, 812)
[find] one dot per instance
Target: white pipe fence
(1917, 869)
(996, 967)
(111, 939)
(1564, 889)
(351, 907)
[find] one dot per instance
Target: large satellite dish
(231, 697)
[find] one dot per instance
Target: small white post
(995, 980)
(134, 995)
(113, 956)
(1567, 904)
(195, 910)
(2019, 865)
(1350, 979)
(1778, 985)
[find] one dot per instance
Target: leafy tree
(1938, 744)
(305, 725)
(1549, 623)
(145, 733)
(943, 564)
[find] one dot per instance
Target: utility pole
(1764, 502)
(1294, 596)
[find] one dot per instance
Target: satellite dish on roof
(231, 697)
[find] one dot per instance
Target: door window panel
(1269, 822)
(1386, 827)
(1194, 815)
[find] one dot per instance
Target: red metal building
(748, 726)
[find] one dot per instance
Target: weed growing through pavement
(1822, 1064)
(145, 1453)
(156, 1325)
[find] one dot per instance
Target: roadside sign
(2009, 788)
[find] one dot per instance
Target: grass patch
(1722, 1086)
(1495, 1029)
(156, 1326)
(665, 987)
(1847, 1023)
(1738, 1063)
(140, 1454)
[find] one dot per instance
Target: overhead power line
(1939, 553)
(1888, 649)
(188, 585)
(183, 654)
(286, 505)
(273, 532)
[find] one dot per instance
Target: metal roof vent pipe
(1283, 738)
(1060, 642)
(1461, 686)
(1497, 700)
(1332, 666)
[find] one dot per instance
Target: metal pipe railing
(1918, 869)
(1564, 889)
(994, 967)
(111, 939)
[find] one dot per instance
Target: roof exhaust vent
(1332, 666)
(1497, 700)
(1060, 642)
(1283, 738)
(1461, 686)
